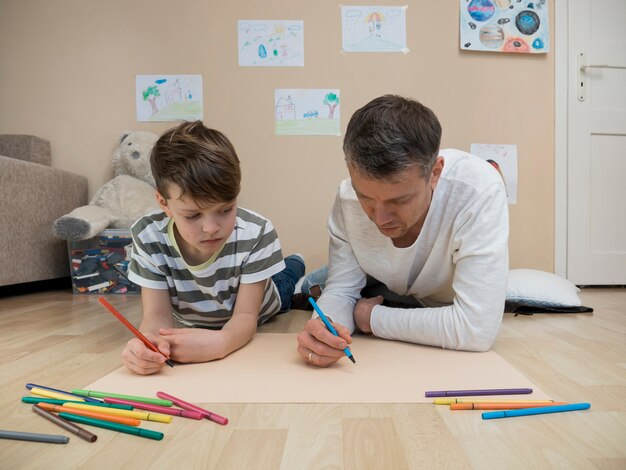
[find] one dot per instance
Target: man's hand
(363, 313)
(320, 347)
(143, 361)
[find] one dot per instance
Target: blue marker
(536, 411)
(330, 327)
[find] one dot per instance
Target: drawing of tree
(150, 95)
(331, 100)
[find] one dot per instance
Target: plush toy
(123, 199)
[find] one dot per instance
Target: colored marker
(91, 414)
(330, 327)
(469, 393)
(189, 406)
(78, 398)
(53, 401)
(449, 401)
(56, 395)
(536, 411)
(94, 393)
(71, 427)
(114, 426)
(502, 406)
(133, 330)
(157, 409)
(144, 415)
(31, 436)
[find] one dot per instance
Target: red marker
(156, 408)
(133, 330)
(188, 406)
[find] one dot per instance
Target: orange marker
(133, 330)
(91, 414)
(501, 406)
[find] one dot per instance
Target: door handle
(582, 68)
(601, 66)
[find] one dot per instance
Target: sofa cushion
(25, 147)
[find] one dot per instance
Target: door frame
(561, 133)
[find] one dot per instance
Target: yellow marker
(145, 415)
(450, 401)
(56, 395)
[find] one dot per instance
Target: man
(418, 239)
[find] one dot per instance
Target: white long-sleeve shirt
(456, 269)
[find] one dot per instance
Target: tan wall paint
(67, 71)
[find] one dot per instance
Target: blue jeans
(373, 287)
(287, 279)
(317, 277)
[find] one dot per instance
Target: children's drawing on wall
(503, 158)
(267, 43)
(505, 26)
(306, 112)
(168, 97)
(373, 28)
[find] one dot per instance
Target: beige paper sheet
(268, 370)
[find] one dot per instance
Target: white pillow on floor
(541, 289)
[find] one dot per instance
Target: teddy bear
(122, 200)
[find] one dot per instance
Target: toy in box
(100, 265)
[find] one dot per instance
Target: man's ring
(310, 358)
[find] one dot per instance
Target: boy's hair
(390, 134)
(201, 161)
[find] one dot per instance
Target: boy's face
(203, 228)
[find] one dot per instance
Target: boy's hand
(141, 360)
(320, 347)
(194, 344)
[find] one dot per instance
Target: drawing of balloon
(262, 51)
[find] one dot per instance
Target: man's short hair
(201, 161)
(391, 134)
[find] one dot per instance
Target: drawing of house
(285, 109)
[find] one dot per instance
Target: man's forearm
(444, 327)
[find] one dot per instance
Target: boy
(217, 265)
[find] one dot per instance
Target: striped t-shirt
(205, 295)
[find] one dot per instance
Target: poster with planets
(271, 43)
(505, 26)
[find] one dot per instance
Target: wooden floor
(68, 341)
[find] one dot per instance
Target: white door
(596, 180)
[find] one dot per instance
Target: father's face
(398, 207)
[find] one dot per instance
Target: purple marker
(469, 393)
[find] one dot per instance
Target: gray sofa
(32, 196)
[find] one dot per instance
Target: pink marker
(156, 408)
(188, 406)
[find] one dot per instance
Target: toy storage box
(100, 265)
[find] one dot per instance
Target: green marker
(141, 432)
(54, 401)
(93, 393)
